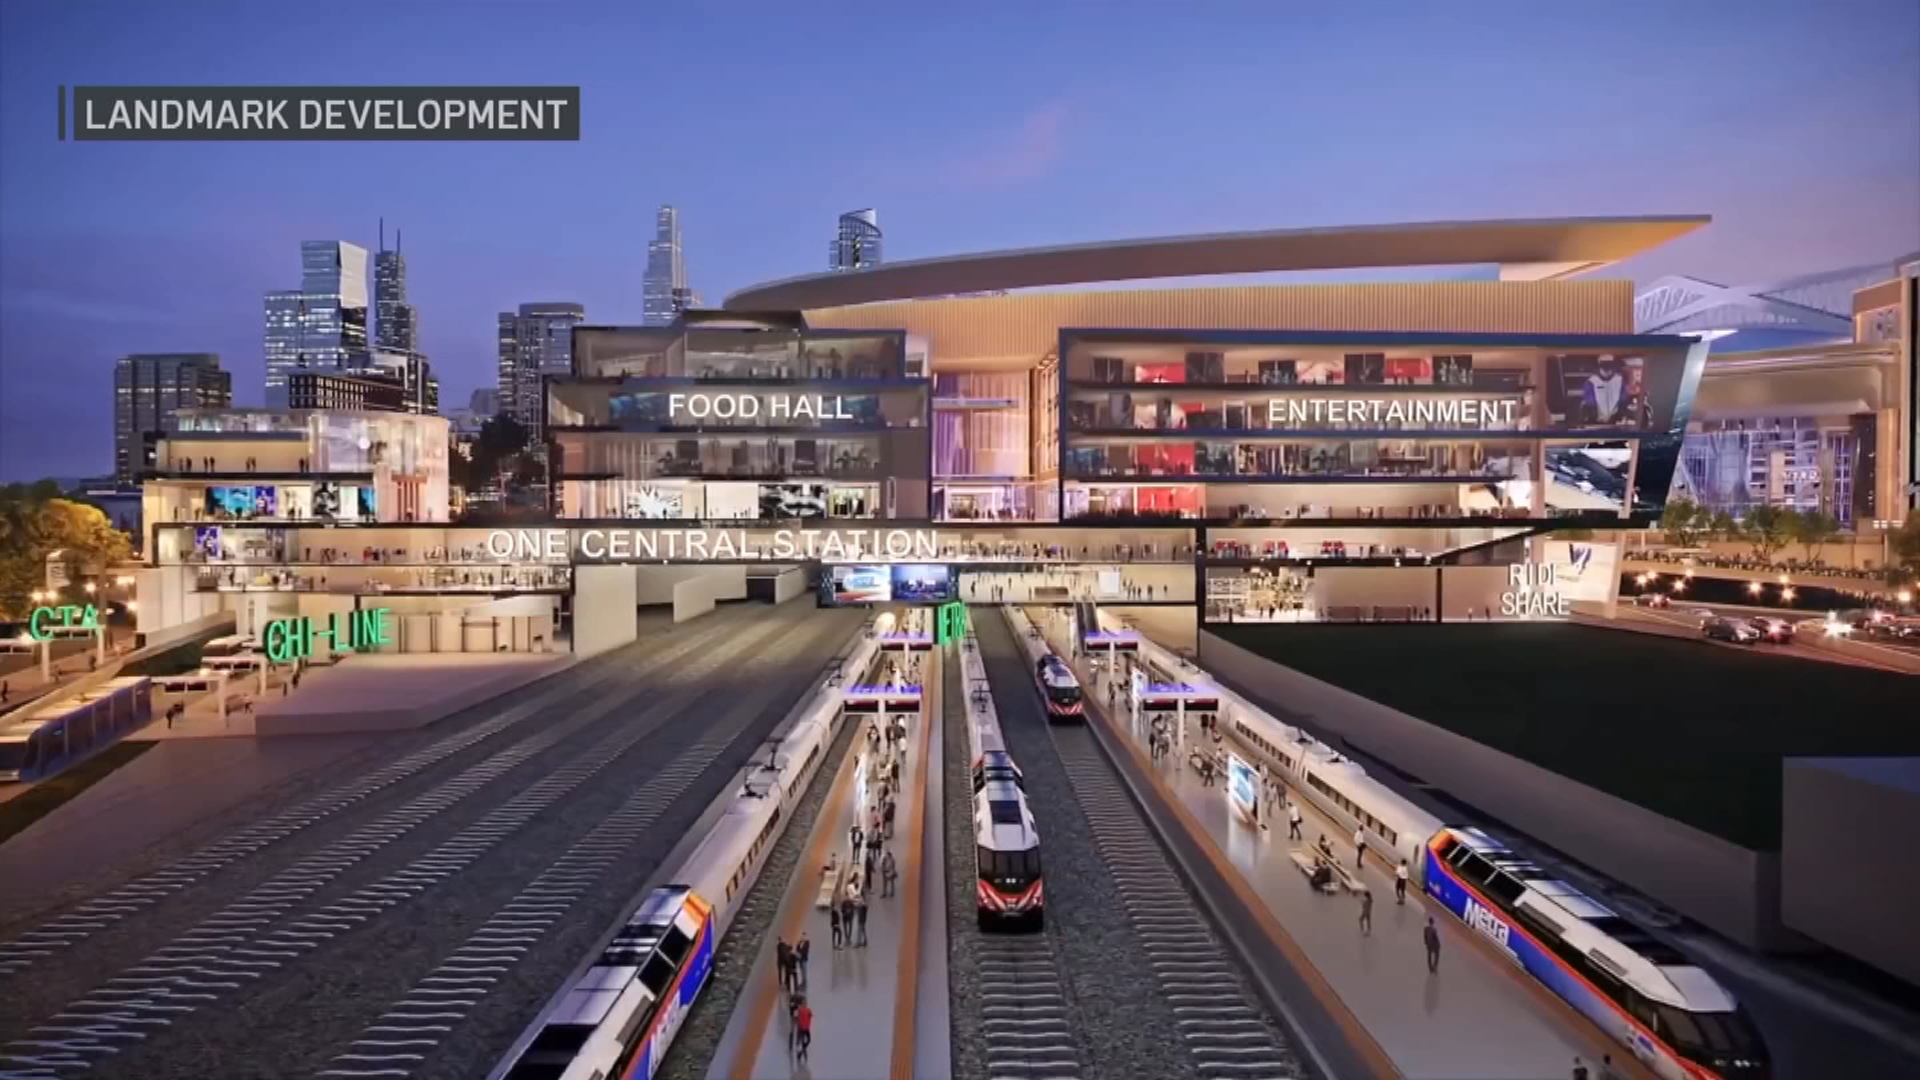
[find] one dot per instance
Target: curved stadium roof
(1551, 247)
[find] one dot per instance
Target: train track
(1226, 1035)
(292, 974)
(1010, 1012)
(1184, 1006)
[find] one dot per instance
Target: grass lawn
(50, 794)
(1685, 728)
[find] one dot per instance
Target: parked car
(1731, 631)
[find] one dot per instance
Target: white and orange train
(1008, 886)
(617, 1018)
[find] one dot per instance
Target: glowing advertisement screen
(1243, 788)
(861, 584)
(920, 583)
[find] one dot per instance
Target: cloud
(1008, 158)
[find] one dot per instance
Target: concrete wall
(168, 600)
(1474, 589)
(1368, 586)
(692, 590)
(605, 608)
(1731, 889)
(790, 584)
(1838, 884)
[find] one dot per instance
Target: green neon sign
(292, 639)
(44, 620)
(951, 623)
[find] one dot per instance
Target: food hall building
(922, 431)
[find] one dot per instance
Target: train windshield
(1063, 695)
(13, 756)
(1009, 869)
(1713, 1038)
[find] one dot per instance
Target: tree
(1684, 520)
(1722, 526)
(1812, 530)
(1905, 543)
(34, 522)
(1767, 528)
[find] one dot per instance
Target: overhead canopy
(1524, 249)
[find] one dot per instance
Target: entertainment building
(1319, 452)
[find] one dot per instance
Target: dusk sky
(1795, 124)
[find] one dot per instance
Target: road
(410, 919)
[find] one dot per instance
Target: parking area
(1683, 727)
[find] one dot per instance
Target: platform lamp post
(46, 596)
(99, 628)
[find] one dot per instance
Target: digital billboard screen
(924, 583)
(861, 584)
(1243, 788)
(241, 502)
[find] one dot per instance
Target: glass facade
(324, 325)
(1307, 425)
(148, 389)
(856, 242)
(1789, 461)
(535, 343)
(717, 423)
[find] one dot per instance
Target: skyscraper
(324, 324)
(396, 327)
(666, 281)
(856, 244)
(536, 341)
(147, 388)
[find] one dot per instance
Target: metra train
(618, 1018)
(1008, 888)
(1673, 1016)
(1060, 689)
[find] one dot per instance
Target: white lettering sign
(1487, 923)
(750, 408)
(714, 545)
(1440, 413)
(1533, 591)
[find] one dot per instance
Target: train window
(1474, 869)
(656, 974)
(1003, 811)
(674, 945)
(13, 756)
(1504, 889)
(1631, 936)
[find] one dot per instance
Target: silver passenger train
(619, 1016)
(1009, 889)
(1671, 1014)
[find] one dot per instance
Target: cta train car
(1672, 1015)
(618, 1017)
(1060, 689)
(1008, 887)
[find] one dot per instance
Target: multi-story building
(323, 325)
(396, 323)
(421, 390)
(359, 391)
(666, 292)
(148, 388)
(1807, 385)
(738, 418)
(535, 342)
(856, 241)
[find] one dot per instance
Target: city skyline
(111, 249)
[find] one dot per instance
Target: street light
(90, 588)
(1783, 579)
(1753, 587)
(133, 605)
(1905, 596)
(1786, 593)
(38, 596)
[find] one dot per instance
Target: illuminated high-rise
(856, 243)
(666, 292)
(323, 324)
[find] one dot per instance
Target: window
(1003, 812)
(674, 945)
(656, 974)
(1504, 890)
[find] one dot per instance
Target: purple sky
(1795, 123)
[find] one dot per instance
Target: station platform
(879, 1008)
(1476, 1016)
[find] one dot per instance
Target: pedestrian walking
(1400, 883)
(886, 819)
(854, 835)
(1606, 1068)
(1579, 1069)
(1366, 912)
(802, 949)
(846, 918)
(860, 912)
(803, 1025)
(868, 865)
(1432, 934)
(5, 691)
(1293, 821)
(873, 844)
(888, 871)
(833, 914)
(783, 963)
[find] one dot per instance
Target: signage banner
(289, 640)
(1243, 788)
(44, 620)
(713, 545)
(1442, 413)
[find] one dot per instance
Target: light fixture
(133, 605)
(1786, 593)
(1753, 587)
(1905, 596)
(1783, 579)
(90, 588)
